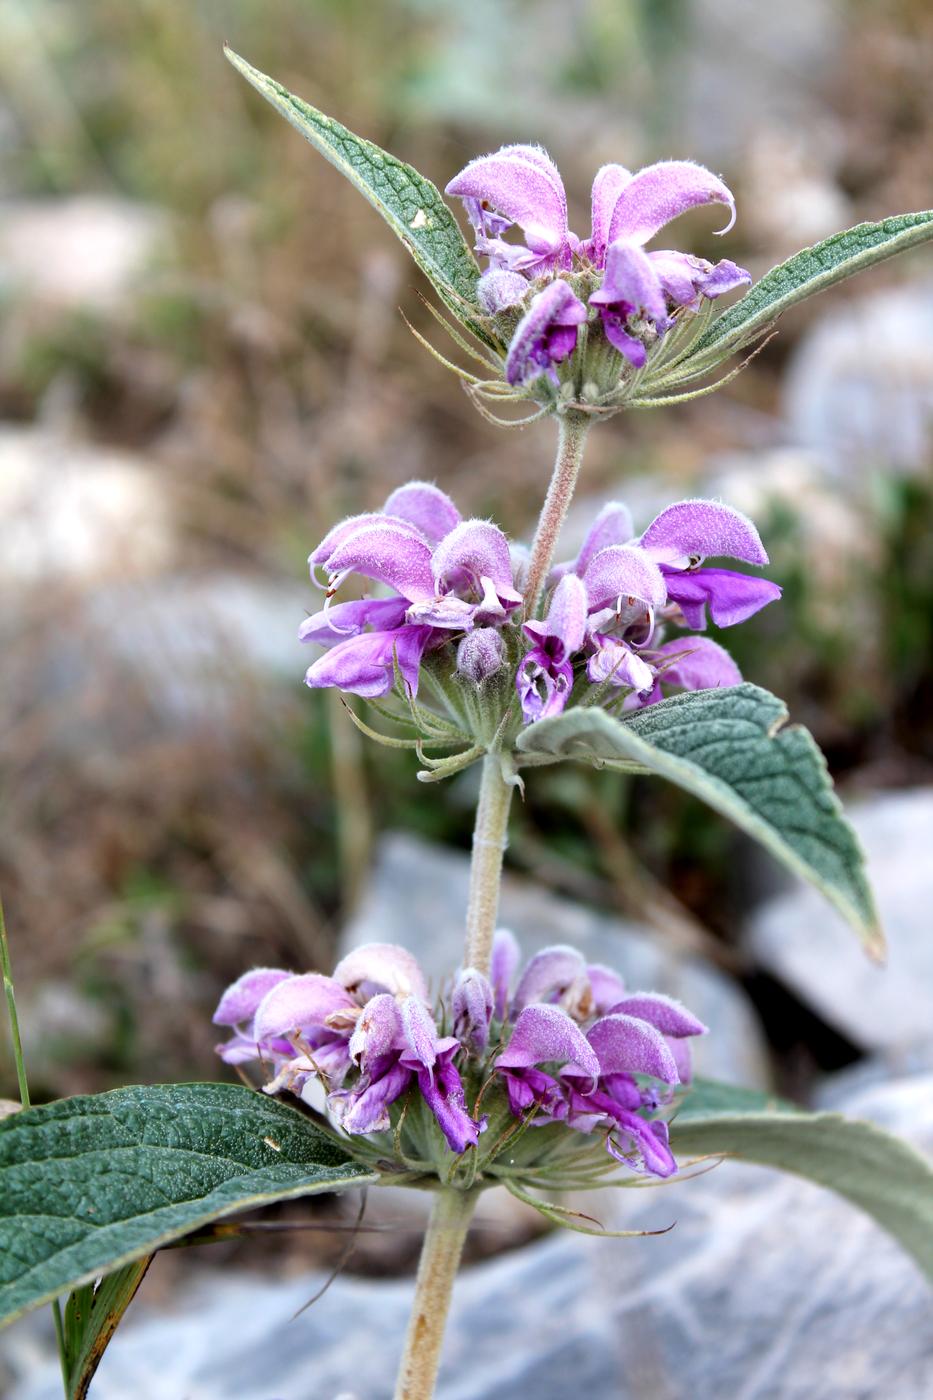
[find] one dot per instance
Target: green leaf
(731, 748)
(806, 273)
(411, 205)
(89, 1184)
(887, 1178)
(92, 1315)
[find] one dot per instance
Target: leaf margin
(630, 747)
(900, 1160)
(32, 1117)
(458, 294)
(747, 318)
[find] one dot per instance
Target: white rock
(789, 195)
(78, 512)
(859, 387)
(83, 251)
(799, 938)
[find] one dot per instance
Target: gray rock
(93, 528)
(195, 639)
(767, 1289)
(800, 939)
(836, 1090)
(774, 67)
(417, 897)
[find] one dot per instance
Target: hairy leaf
(91, 1183)
(731, 748)
(806, 273)
(410, 204)
(887, 1178)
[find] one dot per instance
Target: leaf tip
(876, 945)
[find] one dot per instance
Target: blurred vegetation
(261, 372)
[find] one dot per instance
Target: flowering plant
(473, 648)
(366, 1041)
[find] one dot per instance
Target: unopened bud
(472, 1008)
(480, 655)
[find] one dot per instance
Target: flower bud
(472, 1008)
(480, 655)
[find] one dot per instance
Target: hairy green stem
(11, 1010)
(437, 1269)
(452, 1210)
(489, 842)
(572, 428)
(7, 969)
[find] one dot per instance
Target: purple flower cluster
(456, 582)
(520, 186)
(448, 575)
(610, 605)
(567, 1045)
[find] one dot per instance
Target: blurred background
(203, 364)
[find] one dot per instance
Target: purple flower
(475, 558)
(381, 967)
(631, 288)
(685, 279)
(545, 676)
(517, 185)
(442, 1090)
(646, 287)
(570, 1045)
(237, 1010)
(691, 663)
(681, 538)
(447, 574)
(365, 665)
(543, 1035)
(430, 1059)
(635, 1038)
(618, 664)
(602, 1085)
(499, 290)
(426, 506)
(480, 655)
(607, 601)
(625, 583)
(520, 186)
(558, 975)
(546, 334)
(369, 1020)
(636, 207)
